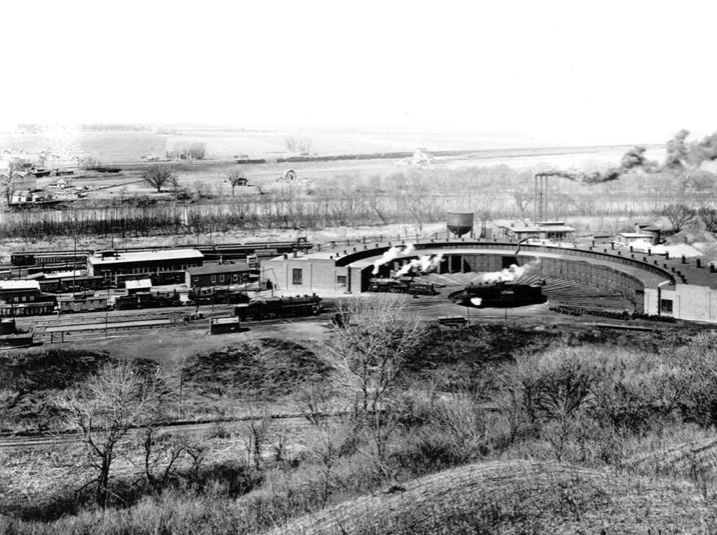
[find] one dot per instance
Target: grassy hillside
(518, 497)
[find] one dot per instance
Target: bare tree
(522, 197)
(369, 352)
(196, 151)
(298, 144)
(235, 178)
(678, 215)
(708, 216)
(116, 399)
(9, 178)
(158, 175)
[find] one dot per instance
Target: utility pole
(74, 267)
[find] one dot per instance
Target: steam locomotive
(502, 295)
(402, 285)
(279, 307)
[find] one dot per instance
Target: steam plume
(510, 274)
(392, 253)
(423, 264)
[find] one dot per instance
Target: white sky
(559, 71)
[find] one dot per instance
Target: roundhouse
(655, 284)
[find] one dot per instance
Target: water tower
(460, 223)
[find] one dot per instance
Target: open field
(265, 142)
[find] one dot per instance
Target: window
(297, 276)
(214, 279)
(221, 278)
(666, 306)
(341, 280)
(235, 277)
(195, 279)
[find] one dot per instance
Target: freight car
(71, 284)
(403, 285)
(213, 295)
(87, 304)
(39, 258)
(502, 295)
(37, 308)
(144, 300)
(279, 307)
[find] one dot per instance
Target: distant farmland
(224, 143)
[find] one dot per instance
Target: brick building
(219, 275)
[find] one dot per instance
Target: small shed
(628, 238)
(138, 286)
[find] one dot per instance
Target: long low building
(219, 275)
(19, 291)
(162, 266)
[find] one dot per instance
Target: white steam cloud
(392, 253)
(423, 264)
(507, 275)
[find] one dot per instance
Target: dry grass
(695, 459)
(518, 497)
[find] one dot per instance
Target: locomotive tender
(502, 295)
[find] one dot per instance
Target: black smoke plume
(633, 159)
(678, 154)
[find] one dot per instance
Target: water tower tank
(459, 223)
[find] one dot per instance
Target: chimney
(684, 261)
(294, 253)
(637, 228)
(699, 262)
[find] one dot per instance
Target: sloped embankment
(518, 497)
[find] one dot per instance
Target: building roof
(147, 256)
(636, 235)
(65, 274)
(540, 227)
(19, 285)
(217, 269)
